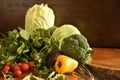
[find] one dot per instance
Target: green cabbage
(64, 31)
(68, 40)
(39, 16)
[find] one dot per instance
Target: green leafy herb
(20, 45)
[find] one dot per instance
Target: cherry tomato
(7, 63)
(25, 67)
(6, 72)
(31, 64)
(15, 67)
(6, 68)
(17, 72)
(19, 64)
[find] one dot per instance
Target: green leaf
(25, 34)
(51, 75)
(28, 77)
(37, 78)
(59, 77)
(21, 48)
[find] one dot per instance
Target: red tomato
(6, 68)
(7, 63)
(31, 64)
(25, 67)
(6, 72)
(17, 72)
(15, 67)
(19, 64)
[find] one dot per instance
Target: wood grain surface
(106, 58)
(98, 20)
(105, 64)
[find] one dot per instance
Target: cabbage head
(39, 16)
(68, 40)
(64, 31)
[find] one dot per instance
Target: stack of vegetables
(55, 50)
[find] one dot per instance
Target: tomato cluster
(17, 69)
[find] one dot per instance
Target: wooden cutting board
(107, 57)
(105, 63)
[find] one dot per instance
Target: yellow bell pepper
(65, 64)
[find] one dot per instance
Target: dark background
(98, 20)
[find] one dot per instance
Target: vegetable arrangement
(48, 50)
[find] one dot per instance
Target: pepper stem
(59, 64)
